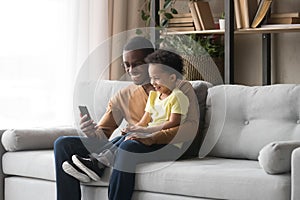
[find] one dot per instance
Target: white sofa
(242, 124)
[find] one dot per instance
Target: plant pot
(222, 24)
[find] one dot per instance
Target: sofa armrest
(295, 174)
(35, 138)
(2, 151)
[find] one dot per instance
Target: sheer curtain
(42, 46)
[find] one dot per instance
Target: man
(128, 104)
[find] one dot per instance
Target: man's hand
(141, 137)
(88, 127)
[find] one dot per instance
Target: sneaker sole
(86, 170)
(69, 169)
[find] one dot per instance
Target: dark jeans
(122, 179)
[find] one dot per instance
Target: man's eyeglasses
(127, 65)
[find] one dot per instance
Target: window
(37, 62)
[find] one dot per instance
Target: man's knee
(59, 142)
(63, 142)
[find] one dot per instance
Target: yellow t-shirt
(160, 110)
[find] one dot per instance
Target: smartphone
(84, 111)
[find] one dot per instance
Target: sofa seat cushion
(207, 178)
(36, 164)
(215, 178)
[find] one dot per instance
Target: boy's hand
(141, 137)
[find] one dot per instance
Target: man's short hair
(167, 58)
(139, 43)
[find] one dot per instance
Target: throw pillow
(275, 158)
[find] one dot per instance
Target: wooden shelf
(279, 29)
(214, 31)
(275, 29)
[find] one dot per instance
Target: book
(244, 13)
(181, 20)
(261, 12)
(180, 24)
(205, 15)
(284, 20)
(288, 14)
(172, 29)
(194, 15)
(237, 12)
(248, 10)
(182, 15)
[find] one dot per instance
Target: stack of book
(245, 11)
(249, 13)
(202, 15)
(181, 22)
(285, 18)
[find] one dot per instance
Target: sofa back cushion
(241, 120)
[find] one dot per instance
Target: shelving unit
(229, 42)
(243, 31)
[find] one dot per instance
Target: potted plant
(165, 13)
(222, 21)
(203, 55)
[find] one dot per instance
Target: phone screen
(84, 111)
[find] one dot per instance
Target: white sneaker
(106, 157)
(74, 171)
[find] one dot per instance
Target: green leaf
(138, 32)
(159, 41)
(149, 5)
(168, 15)
(161, 12)
(164, 22)
(167, 4)
(148, 21)
(143, 15)
(174, 11)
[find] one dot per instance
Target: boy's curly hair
(168, 58)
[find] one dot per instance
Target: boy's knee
(129, 145)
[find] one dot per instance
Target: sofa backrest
(97, 94)
(241, 120)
